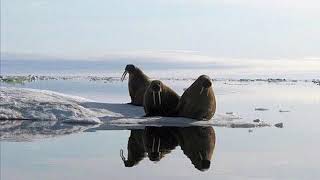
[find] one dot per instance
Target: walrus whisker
(159, 97)
(153, 145)
(200, 156)
(154, 98)
(121, 155)
(201, 90)
(159, 146)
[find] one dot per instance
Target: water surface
(289, 153)
(239, 153)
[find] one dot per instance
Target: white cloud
(294, 4)
(38, 4)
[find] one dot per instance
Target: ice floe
(25, 112)
(42, 105)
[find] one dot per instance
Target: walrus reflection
(198, 101)
(137, 84)
(159, 99)
(197, 143)
(159, 142)
(136, 148)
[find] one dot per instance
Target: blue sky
(230, 28)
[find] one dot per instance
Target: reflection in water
(159, 142)
(28, 130)
(197, 143)
(136, 148)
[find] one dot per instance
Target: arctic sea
(287, 89)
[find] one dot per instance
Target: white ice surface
(43, 105)
(50, 113)
(16, 103)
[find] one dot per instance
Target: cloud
(297, 4)
(39, 4)
(162, 56)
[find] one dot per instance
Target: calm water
(291, 152)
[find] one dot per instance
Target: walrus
(137, 84)
(198, 144)
(136, 148)
(159, 142)
(198, 101)
(159, 99)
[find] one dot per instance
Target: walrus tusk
(154, 98)
(153, 145)
(124, 75)
(121, 155)
(159, 98)
(207, 93)
(159, 146)
(201, 90)
(200, 156)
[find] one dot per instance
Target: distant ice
(30, 112)
(21, 79)
(261, 109)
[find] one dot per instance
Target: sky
(217, 28)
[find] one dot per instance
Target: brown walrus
(136, 148)
(159, 99)
(197, 143)
(137, 84)
(159, 141)
(198, 101)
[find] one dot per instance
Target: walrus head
(127, 162)
(133, 157)
(156, 88)
(205, 83)
(130, 68)
(203, 164)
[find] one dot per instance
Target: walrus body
(198, 101)
(159, 141)
(159, 99)
(197, 143)
(137, 84)
(136, 148)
